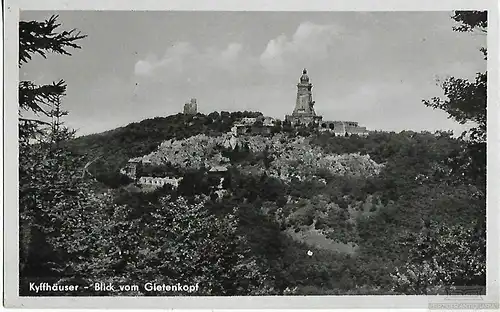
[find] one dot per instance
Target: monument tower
(304, 106)
(304, 103)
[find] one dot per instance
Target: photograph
(252, 153)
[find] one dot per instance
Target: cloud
(186, 71)
(310, 42)
(183, 57)
(229, 76)
(143, 68)
(174, 58)
(232, 52)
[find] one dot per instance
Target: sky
(371, 67)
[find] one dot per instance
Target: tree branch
(33, 121)
(39, 38)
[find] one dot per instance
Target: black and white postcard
(304, 155)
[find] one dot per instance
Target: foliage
(453, 254)
(442, 256)
(182, 242)
(41, 38)
(49, 180)
(49, 175)
(465, 101)
(471, 20)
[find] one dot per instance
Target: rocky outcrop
(289, 157)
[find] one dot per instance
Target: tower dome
(304, 78)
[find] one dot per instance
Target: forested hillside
(355, 212)
(109, 151)
(298, 211)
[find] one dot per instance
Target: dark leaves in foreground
(41, 37)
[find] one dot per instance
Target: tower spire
(304, 79)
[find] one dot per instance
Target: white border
(11, 255)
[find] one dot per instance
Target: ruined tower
(191, 108)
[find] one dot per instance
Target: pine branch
(33, 121)
(35, 98)
(471, 20)
(39, 38)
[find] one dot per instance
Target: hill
(109, 151)
(353, 201)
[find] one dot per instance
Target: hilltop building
(159, 181)
(342, 127)
(131, 168)
(304, 105)
(191, 108)
(257, 125)
(305, 114)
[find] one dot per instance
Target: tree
(51, 190)
(208, 250)
(466, 102)
(277, 128)
(287, 126)
(50, 181)
(442, 256)
(214, 116)
(471, 21)
(313, 127)
(267, 157)
(41, 38)
(170, 240)
(258, 123)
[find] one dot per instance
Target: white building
(159, 182)
(248, 120)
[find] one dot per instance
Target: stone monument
(304, 105)
(304, 113)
